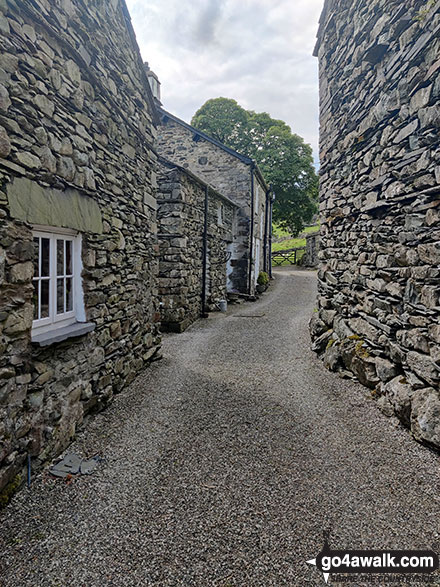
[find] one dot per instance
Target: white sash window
(58, 297)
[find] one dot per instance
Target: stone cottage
(379, 275)
(195, 230)
(239, 179)
(78, 237)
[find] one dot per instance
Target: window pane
(60, 296)
(60, 257)
(45, 249)
(69, 294)
(36, 256)
(44, 298)
(35, 299)
(68, 257)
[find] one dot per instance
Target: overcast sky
(258, 52)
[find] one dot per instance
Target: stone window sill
(60, 334)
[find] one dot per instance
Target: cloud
(258, 52)
(208, 20)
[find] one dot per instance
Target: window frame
(56, 321)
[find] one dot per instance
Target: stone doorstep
(71, 331)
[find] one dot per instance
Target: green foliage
(284, 158)
(423, 12)
(279, 232)
(232, 116)
(263, 278)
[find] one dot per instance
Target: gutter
(251, 245)
(266, 214)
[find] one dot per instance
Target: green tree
(233, 119)
(284, 158)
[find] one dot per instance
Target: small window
(58, 298)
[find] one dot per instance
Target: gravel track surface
(224, 463)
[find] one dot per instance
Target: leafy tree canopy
(284, 158)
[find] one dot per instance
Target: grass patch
(310, 229)
(289, 244)
(278, 232)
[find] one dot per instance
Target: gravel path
(224, 464)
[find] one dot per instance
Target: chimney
(154, 82)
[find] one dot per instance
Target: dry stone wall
(76, 136)
(181, 213)
(379, 276)
(310, 258)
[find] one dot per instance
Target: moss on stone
(9, 491)
(361, 351)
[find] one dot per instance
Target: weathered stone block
(28, 160)
(5, 101)
(21, 272)
(5, 143)
(425, 416)
(424, 367)
(385, 369)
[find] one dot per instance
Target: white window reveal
(257, 198)
(220, 214)
(58, 296)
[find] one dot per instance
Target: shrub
(263, 278)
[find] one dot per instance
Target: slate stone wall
(379, 276)
(76, 132)
(229, 176)
(181, 212)
(310, 258)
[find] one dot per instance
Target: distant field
(278, 232)
(291, 243)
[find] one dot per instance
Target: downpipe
(251, 244)
(205, 253)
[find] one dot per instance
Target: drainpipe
(205, 253)
(266, 215)
(251, 246)
(272, 200)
